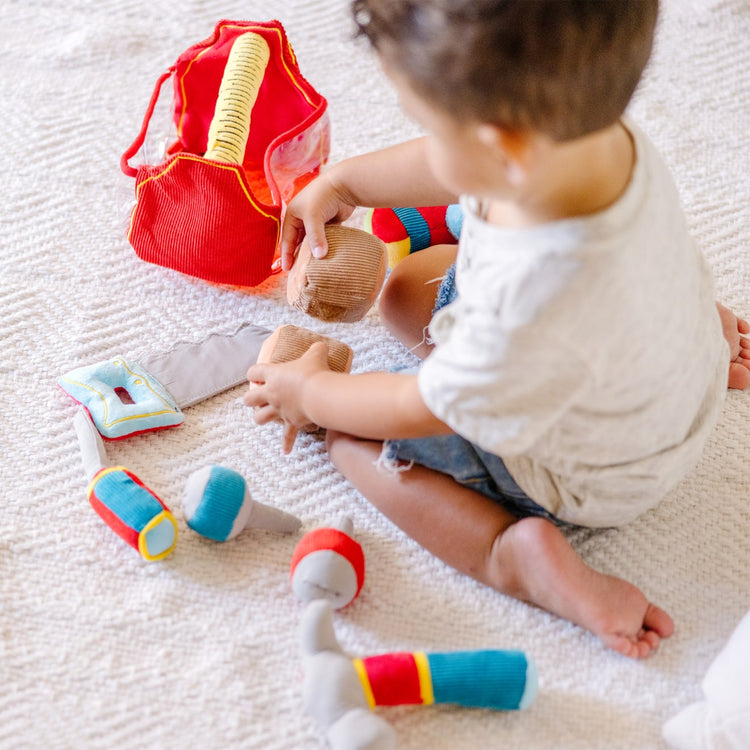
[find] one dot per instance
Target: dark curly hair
(561, 67)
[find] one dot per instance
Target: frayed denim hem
(388, 462)
(447, 291)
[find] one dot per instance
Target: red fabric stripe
(394, 679)
(121, 529)
(439, 232)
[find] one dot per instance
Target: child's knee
(333, 443)
(343, 449)
(393, 298)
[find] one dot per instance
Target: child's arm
(395, 176)
(375, 405)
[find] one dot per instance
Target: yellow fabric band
(365, 680)
(425, 678)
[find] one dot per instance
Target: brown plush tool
(343, 285)
(290, 342)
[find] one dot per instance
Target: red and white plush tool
(328, 564)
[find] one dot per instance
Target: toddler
(574, 362)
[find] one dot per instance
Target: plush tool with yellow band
(344, 284)
(123, 502)
(240, 84)
(341, 693)
(217, 502)
(408, 230)
(186, 374)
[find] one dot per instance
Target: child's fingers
(265, 414)
(256, 373)
(319, 352)
(292, 233)
(288, 438)
(253, 396)
(315, 236)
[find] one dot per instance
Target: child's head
(562, 68)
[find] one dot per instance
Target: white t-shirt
(588, 353)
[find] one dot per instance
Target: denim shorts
(467, 463)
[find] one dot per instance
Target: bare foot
(528, 559)
(536, 563)
(735, 330)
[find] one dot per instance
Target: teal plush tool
(217, 505)
(123, 501)
(121, 397)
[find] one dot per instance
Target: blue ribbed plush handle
(501, 680)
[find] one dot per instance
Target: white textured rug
(100, 649)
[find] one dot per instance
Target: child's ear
(513, 149)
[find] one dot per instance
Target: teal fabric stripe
(221, 502)
(416, 227)
(134, 505)
(479, 679)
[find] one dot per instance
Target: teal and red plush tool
(407, 230)
(122, 500)
(341, 693)
(475, 679)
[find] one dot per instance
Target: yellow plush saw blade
(243, 76)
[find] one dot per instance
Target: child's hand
(318, 204)
(275, 391)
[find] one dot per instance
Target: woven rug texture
(100, 649)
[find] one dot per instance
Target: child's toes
(739, 376)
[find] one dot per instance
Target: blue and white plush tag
(124, 397)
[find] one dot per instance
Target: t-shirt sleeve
(499, 389)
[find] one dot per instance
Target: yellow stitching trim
(105, 423)
(425, 677)
(291, 75)
(359, 666)
(182, 84)
(192, 157)
(99, 475)
(155, 521)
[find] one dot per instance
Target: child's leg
(735, 330)
(528, 559)
(408, 297)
